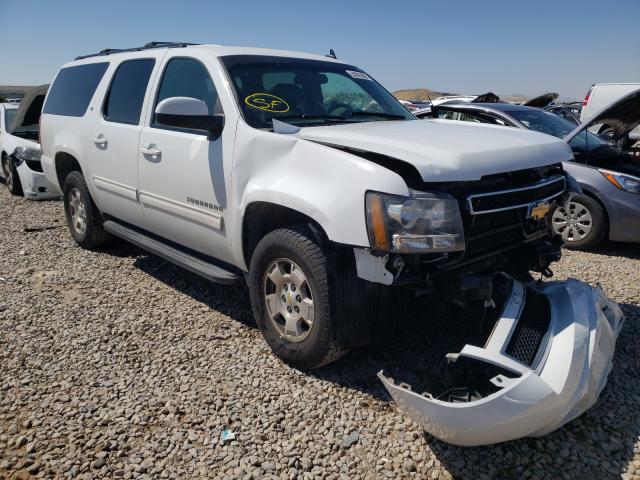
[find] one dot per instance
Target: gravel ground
(117, 364)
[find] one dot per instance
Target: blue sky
(458, 46)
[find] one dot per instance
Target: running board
(189, 262)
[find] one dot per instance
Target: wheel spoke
(306, 311)
(297, 276)
(272, 304)
(291, 326)
(276, 274)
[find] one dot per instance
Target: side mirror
(191, 113)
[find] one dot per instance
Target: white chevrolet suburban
(304, 175)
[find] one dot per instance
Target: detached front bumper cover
(564, 379)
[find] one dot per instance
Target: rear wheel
(291, 299)
(582, 223)
(11, 177)
(83, 217)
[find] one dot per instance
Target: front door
(114, 140)
(182, 179)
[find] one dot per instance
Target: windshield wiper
(391, 116)
(308, 116)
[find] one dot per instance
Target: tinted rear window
(73, 88)
(126, 94)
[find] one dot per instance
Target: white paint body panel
(565, 383)
(446, 150)
(603, 94)
(32, 182)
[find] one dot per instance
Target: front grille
(531, 328)
(483, 203)
(499, 229)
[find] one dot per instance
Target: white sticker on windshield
(358, 75)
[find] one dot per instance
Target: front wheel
(290, 296)
(582, 223)
(11, 177)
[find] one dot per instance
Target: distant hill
(514, 98)
(421, 94)
(418, 94)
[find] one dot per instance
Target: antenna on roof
(332, 54)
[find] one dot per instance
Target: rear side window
(73, 88)
(123, 103)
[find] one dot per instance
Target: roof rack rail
(146, 46)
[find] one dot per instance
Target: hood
(30, 108)
(488, 97)
(541, 101)
(623, 115)
(443, 150)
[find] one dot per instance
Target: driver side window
(188, 77)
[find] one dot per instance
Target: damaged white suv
(304, 175)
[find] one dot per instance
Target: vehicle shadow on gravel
(618, 249)
(232, 301)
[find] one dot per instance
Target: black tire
(92, 236)
(299, 245)
(11, 177)
(599, 224)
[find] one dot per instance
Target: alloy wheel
(288, 299)
(77, 211)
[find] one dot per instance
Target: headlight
(28, 154)
(625, 182)
(421, 223)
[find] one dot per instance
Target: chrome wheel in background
(573, 222)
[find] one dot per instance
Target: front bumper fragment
(564, 380)
(35, 185)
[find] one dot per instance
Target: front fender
(321, 182)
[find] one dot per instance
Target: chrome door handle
(100, 140)
(151, 150)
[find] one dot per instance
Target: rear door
(116, 134)
(182, 173)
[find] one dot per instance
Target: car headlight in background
(420, 223)
(27, 154)
(625, 182)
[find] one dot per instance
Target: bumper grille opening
(36, 166)
(531, 329)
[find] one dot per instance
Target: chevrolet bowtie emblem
(539, 210)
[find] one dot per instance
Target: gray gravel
(116, 364)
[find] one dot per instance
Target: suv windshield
(552, 124)
(9, 114)
(308, 92)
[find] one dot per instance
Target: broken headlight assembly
(27, 154)
(421, 223)
(625, 182)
